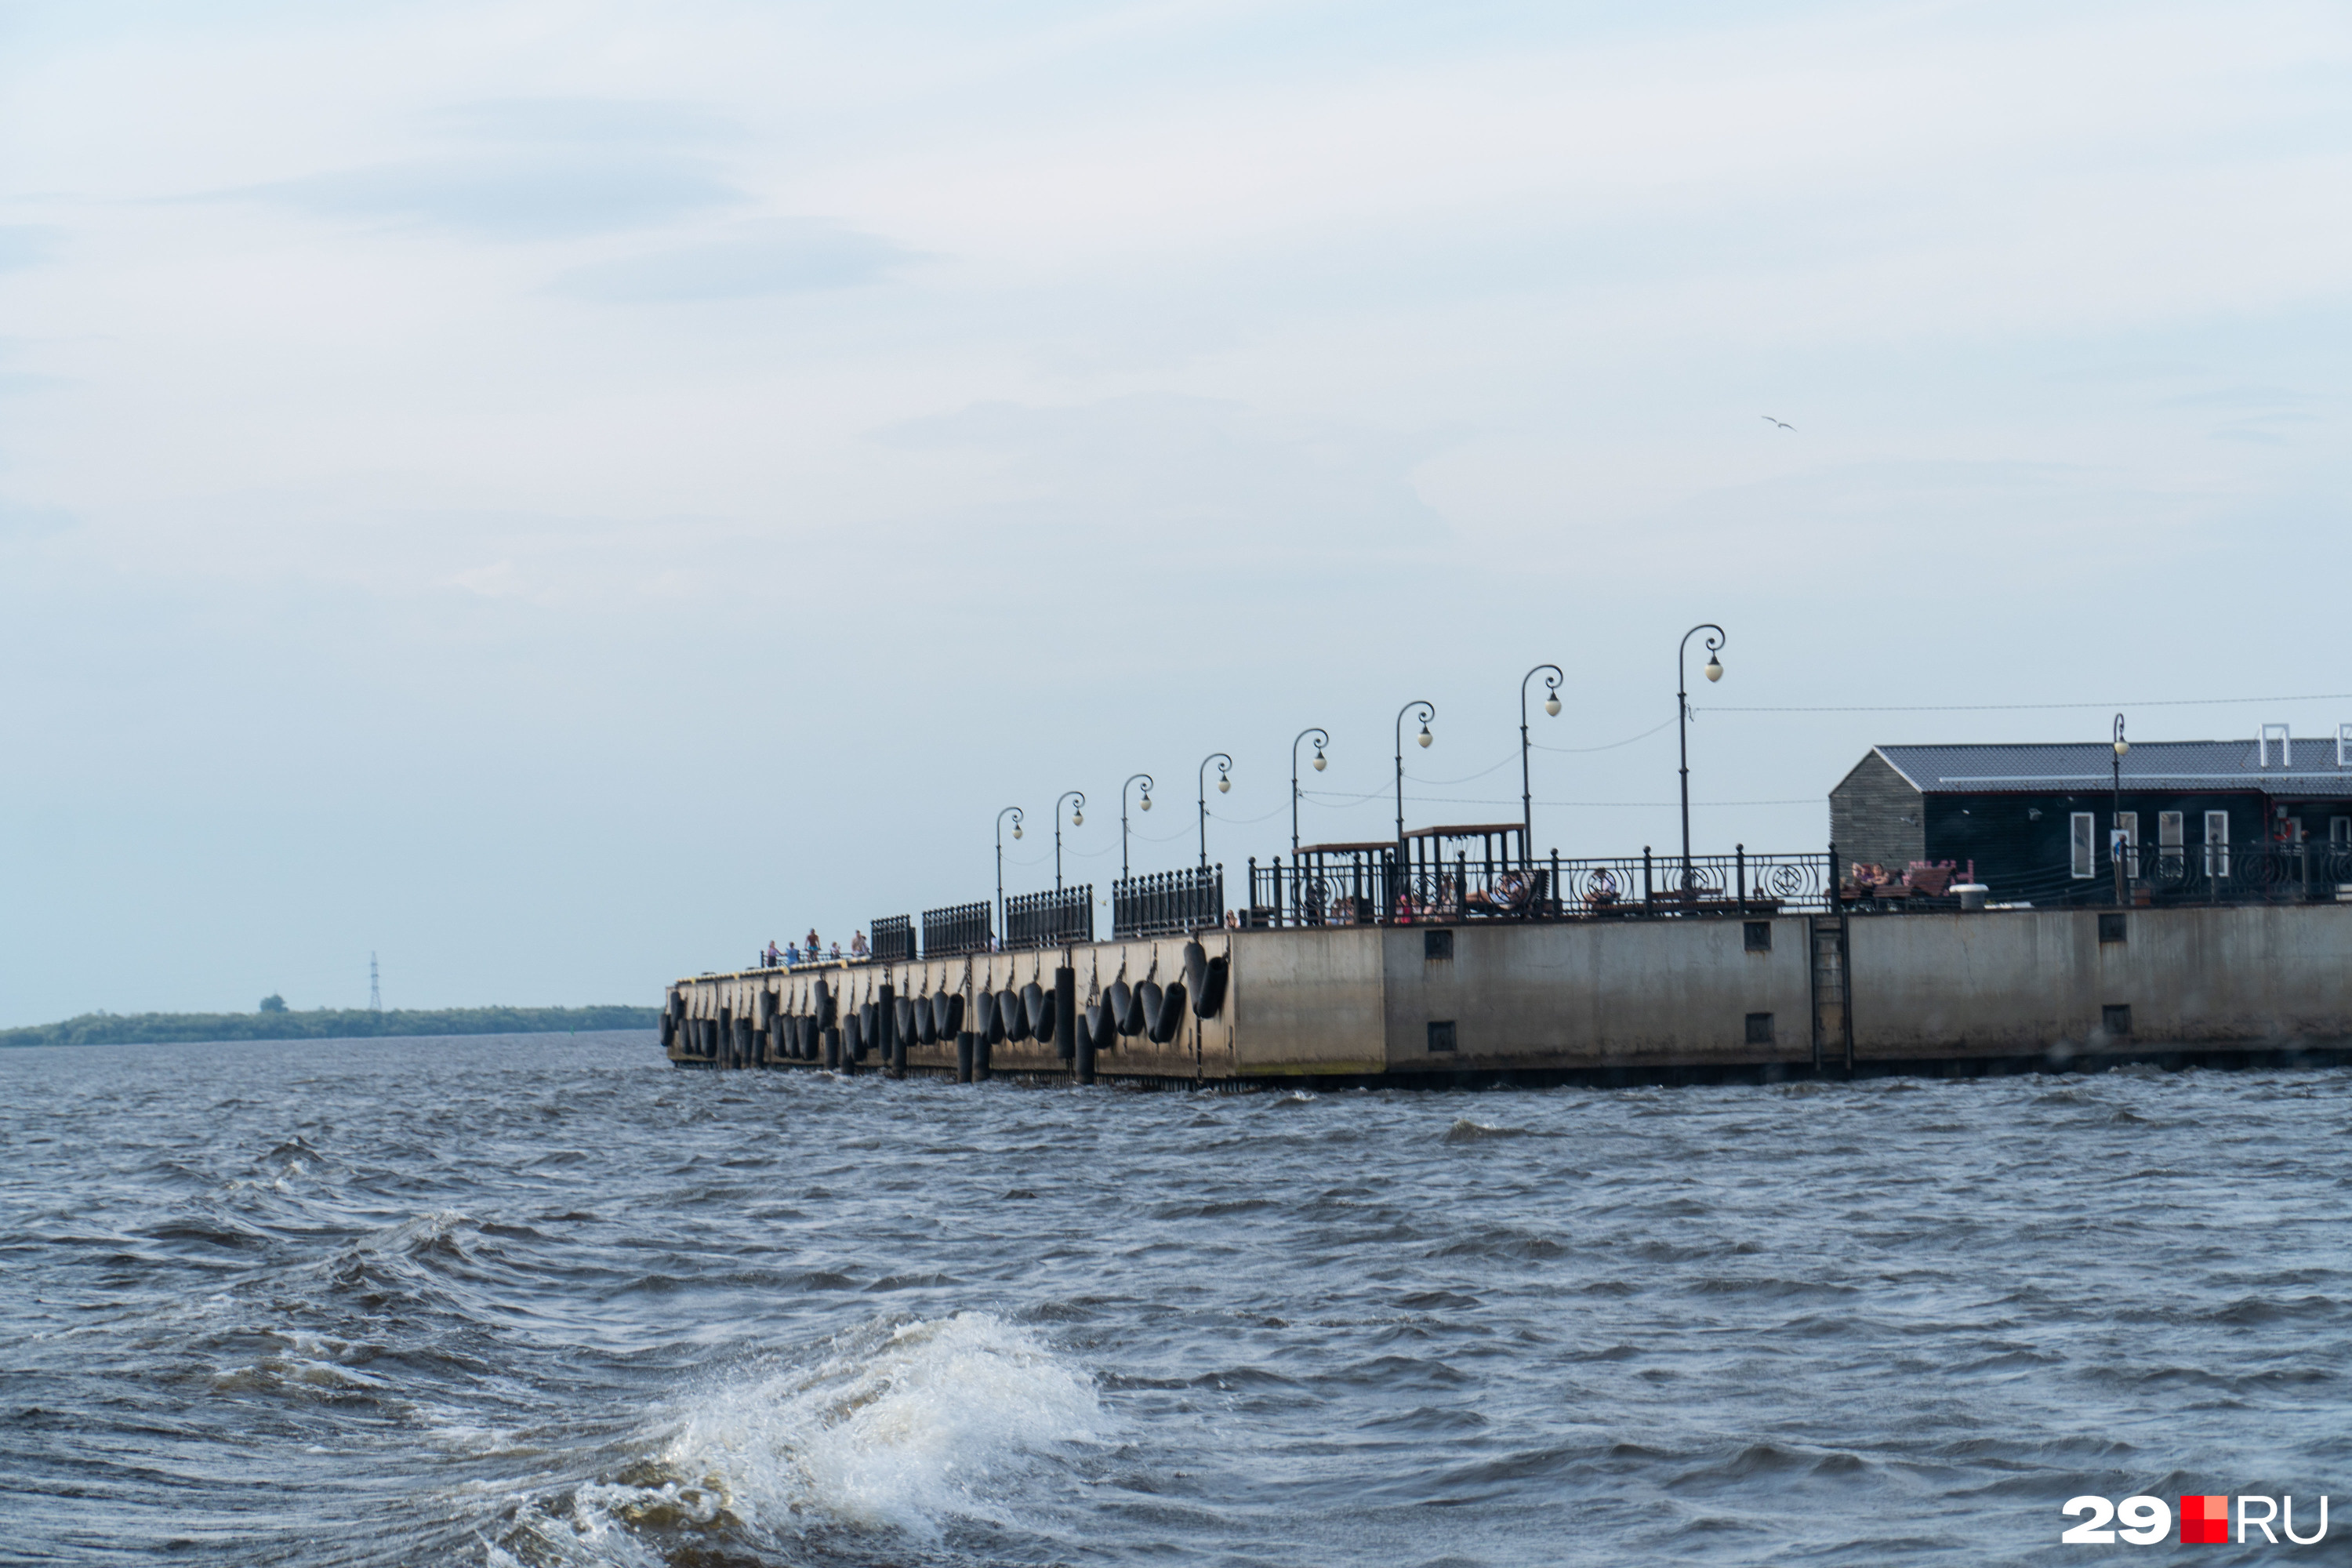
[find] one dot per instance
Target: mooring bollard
(963, 1056)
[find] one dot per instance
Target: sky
(555, 495)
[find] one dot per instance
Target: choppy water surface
(546, 1301)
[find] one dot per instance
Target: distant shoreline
(324, 1024)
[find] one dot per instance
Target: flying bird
(1783, 424)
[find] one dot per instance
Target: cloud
(1209, 472)
(538, 169)
(786, 257)
(25, 245)
(505, 197)
(588, 122)
(19, 521)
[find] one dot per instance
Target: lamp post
(1123, 872)
(1682, 703)
(1321, 741)
(1526, 789)
(1014, 812)
(2116, 810)
(1224, 765)
(1077, 819)
(1428, 712)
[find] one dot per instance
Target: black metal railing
(1365, 888)
(1049, 920)
(894, 939)
(2316, 871)
(959, 928)
(1162, 902)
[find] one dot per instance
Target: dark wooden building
(2035, 819)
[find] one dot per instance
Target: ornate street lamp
(1224, 765)
(1682, 703)
(1123, 872)
(1428, 712)
(1077, 819)
(1527, 790)
(1321, 741)
(1014, 812)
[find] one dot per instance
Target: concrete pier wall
(1653, 996)
(2022, 982)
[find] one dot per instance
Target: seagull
(1783, 424)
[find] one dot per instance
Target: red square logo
(2204, 1521)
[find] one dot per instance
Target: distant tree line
(325, 1024)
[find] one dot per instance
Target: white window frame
(2285, 745)
(2083, 843)
(2216, 847)
(2344, 745)
(2129, 822)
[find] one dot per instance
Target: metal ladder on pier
(1832, 995)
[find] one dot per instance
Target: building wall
(1876, 818)
(2021, 845)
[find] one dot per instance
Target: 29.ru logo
(2204, 1521)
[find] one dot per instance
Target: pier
(1835, 991)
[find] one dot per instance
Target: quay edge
(1682, 1000)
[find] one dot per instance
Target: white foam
(896, 1427)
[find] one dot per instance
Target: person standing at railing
(858, 948)
(773, 956)
(791, 957)
(815, 951)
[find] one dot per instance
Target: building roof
(2189, 767)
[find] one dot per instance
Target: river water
(548, 1301)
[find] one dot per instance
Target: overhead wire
(2040, 707)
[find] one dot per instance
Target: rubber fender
(1147, 1007)
(1102, 1030)
(1011, 1015)
(906, 1021)
(1210, 995)
(1038, 1003)
(668, 1029)
(947, 1012)
(1171, 1014)
(853, 1037)
(1126, 1010)
(925, 1031)
(1196, 966)
(1046, 1027)
(983, 1017)
(870, 1027)
(827, 1009)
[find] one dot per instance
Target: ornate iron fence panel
(959, 928)
(1365, 888)
(894, 939)
(1160, 903)
(1050, 920)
